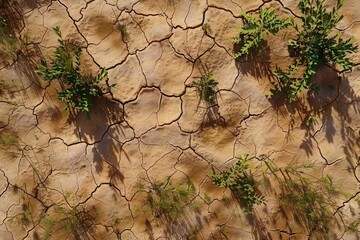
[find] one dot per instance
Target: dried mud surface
(153, 126)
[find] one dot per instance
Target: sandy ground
(63, 176)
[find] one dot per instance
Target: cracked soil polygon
(152, 125)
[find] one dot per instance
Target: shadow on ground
(257, 65)
(104, 114)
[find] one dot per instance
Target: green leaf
(57, 31)
(340, 3)
(80, 89)
(251, 35)
(314, 47)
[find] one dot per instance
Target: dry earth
(65, 177)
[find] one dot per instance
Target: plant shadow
(257, 65)
(24, 56)
(174, 210)
(333, 106)
(258, 227)
(11, 12)
(102, 130)
(77, 222)
(188, 227)
(212, 115)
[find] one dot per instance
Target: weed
(71, 221)
(309, 164)
(328, 184)
(123, 32)
(311, 120)
(353, 226)
(314, 46)
(7, 139)
(9, 45)
(206, 87)
(206, 28)
(167, 201)
(2, 23)
(241, 182)
(308, 204)
(194, 231)
(207, 198)
(25, 217)
(311, 201)
(251, 35)
(81, 88)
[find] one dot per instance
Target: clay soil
(63, 176)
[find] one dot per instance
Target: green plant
(315, 44)
(123, 31)
(251, 35)
(311, 120)
(206, 87)
(7, 139)
(206, 28)
(207, 198)
(67, 220)
(309, 164)
(241, 182)
(65, 67)
(353, 226)
(167, 201)
(9, 45)
(2, 22)
(309, 205)
(311, 201)
(23, 218)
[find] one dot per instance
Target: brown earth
(63, 176)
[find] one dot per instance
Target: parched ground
(63, 176)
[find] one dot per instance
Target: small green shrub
(251, 35)
(206, 28)
(7, 139)
(9, 45)
(23, 218)
(311, 201)
(206, 87)
(311, 120)
(65, 67)
(2, 23)
(354, 226)
(167, 201)
(70, 221)
(314, 46)
(122, 28)
(241, 182)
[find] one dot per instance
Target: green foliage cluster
(123, 31)
(314, 45)
(251, 35)
(167, 201)
(241, 182)
(206, 87)
(70, 221)
(9, 45)
(23, 218)
(353, 226)
(2, 22)
(312, 202)
(7, 139)
(65, 67)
